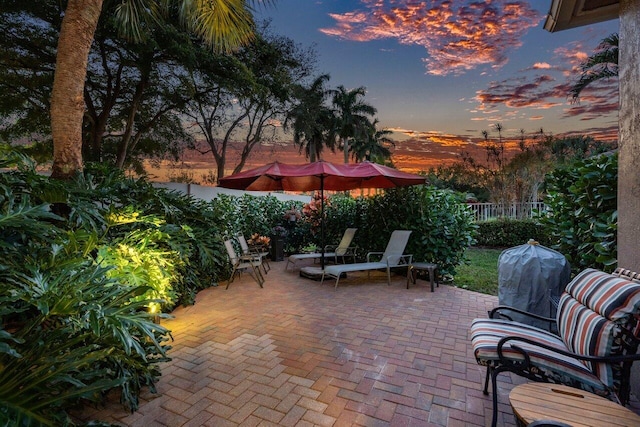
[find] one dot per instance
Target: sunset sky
(439, 72)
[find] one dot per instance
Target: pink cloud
(458, 36)
(540, 92)
(543, 91)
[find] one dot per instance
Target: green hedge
(504, 233)
(442, 225)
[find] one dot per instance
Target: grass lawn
(480, 274)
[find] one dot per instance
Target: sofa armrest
(493, 314)
(584, 357)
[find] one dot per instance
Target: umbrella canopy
(373, 175)
(321, 176)
(278, 176)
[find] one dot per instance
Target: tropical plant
(602, 64)
(582, 215)
(67, 331)
(352, 115)
(374, 146)
(312, 119)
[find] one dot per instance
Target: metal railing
(487, 211)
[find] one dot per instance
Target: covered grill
(530, 277)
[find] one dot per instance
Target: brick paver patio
(298, 353)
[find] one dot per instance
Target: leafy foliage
(313, 121)
(442, 226)
(83, 265)
(504, 233)
(69, 333)
(602, 64)
(582, 212)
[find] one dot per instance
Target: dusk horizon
(441, 72)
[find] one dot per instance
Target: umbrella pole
(322, 222)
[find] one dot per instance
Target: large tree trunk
(67, 101)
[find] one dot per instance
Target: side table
(413, 269)
(577, 408)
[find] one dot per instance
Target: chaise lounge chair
(343, 250)
(392, 257)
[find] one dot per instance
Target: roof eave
(565, 14)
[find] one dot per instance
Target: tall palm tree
(602, 64)
(352, 115)
(312, 119)
(224, 24)
(374, 147)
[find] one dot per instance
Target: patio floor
(298, 353)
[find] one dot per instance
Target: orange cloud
(458, 36)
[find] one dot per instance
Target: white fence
(487, 211)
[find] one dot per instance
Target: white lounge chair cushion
(338, 269)
(299, 257)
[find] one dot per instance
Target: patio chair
(249, 263)
(343, 250)
(598, 324)
(392, 257)
(254, 250)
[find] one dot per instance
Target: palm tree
(224, 24)
(352, 115)
(312, 119)
(375, 147)
(603, 64)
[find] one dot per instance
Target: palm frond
(602, 64)
(133, 18)
(225, 25)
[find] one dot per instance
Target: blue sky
(441, 71)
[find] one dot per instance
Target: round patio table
(577, 408)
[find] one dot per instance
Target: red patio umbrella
(278, 176)
(321, 176)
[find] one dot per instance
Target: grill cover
(529, 276)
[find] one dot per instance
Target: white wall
(209, 193)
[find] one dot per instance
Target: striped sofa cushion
(613, 297)
(486, 333)
(592, 313)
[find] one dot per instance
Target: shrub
(442, 226)
(504, 233)
(341, 214)
(582, 212)
(67, 330)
